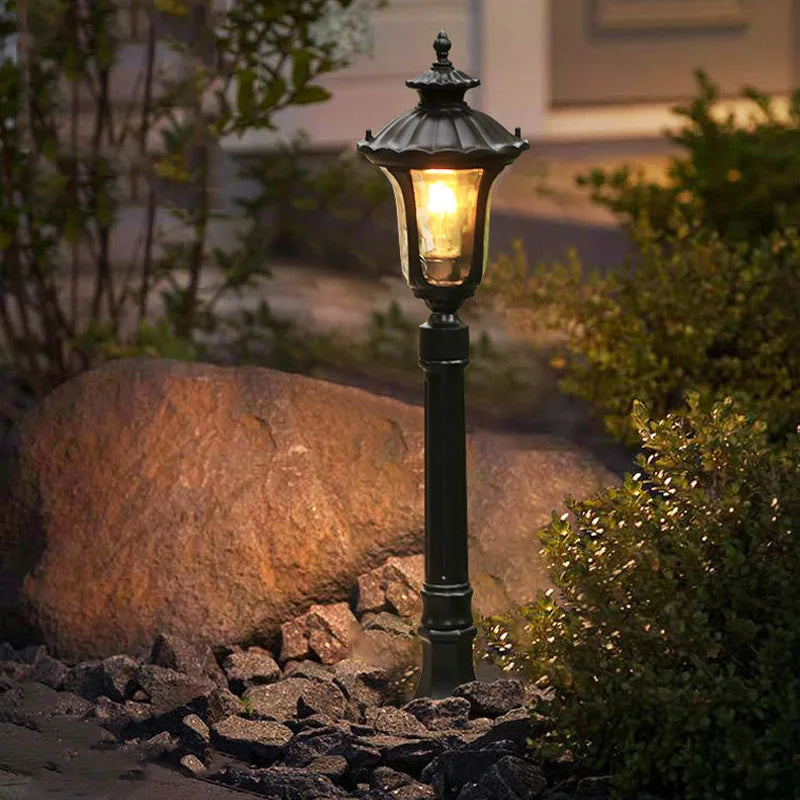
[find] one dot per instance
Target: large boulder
(214, 503)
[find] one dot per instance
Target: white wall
(509, 45)
(372, 91)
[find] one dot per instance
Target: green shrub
(67, 161)
(673, 646)
(692, 314)
(741, 180)
(344, 201)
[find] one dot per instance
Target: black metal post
(447, 629)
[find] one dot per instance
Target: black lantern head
(441, 159)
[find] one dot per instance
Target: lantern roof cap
(442, 130)
(442, 74)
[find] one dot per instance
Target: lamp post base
(450, 666)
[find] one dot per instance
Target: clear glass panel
(446, 201)
(402, 230)
(486, 231)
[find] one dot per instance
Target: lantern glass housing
(402, 228)
(441, 159)
(446, 201)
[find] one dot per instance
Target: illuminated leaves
(674, 616)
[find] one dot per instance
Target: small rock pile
(326, 714)
(315, 732)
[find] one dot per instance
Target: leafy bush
(347, 204)
(692, 313)
(672, 645)
(741, 180)
(68, 148)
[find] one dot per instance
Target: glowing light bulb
(444, 221)
(446, 207)
(441, 199)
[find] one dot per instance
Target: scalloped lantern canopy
(443, 131)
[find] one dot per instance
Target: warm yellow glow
(441, 199)
(446, 206)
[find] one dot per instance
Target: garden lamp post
(441, 159)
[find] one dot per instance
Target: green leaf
(310, 94)
(173, 8)
(301, 68)
(246, 91)
(273, 94)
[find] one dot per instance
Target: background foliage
(67, 149)
(742, 180)
(692, 312)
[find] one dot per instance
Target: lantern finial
(442, 47)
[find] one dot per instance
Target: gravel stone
(169, 689)
(312, 670)
(333, 767)
(118, 677)
(371, 593)
(492, 699)
(86, 679)
(175, 653)
(321, 698)
(50, 671)
(30, 654)
(393, 652)
(14, 671)
(406, 755)
(438, 715)
(308, 745)
(286, 783)
(395, 721)
(514, 779)
(384, 621)
(193, 766)
(314, 722)
(366, 685)
(256, 740)
(389, 784)
(332, 629)
(450, 770)
(279, 700)
(70, 705)
(403, 599)
(249, 668)
(162, 745)
(195, 735)
(111, 715)
(514, 726)
(222, 702)
(294, 640)
(394, 585)
(138, 713)
(194, 726)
